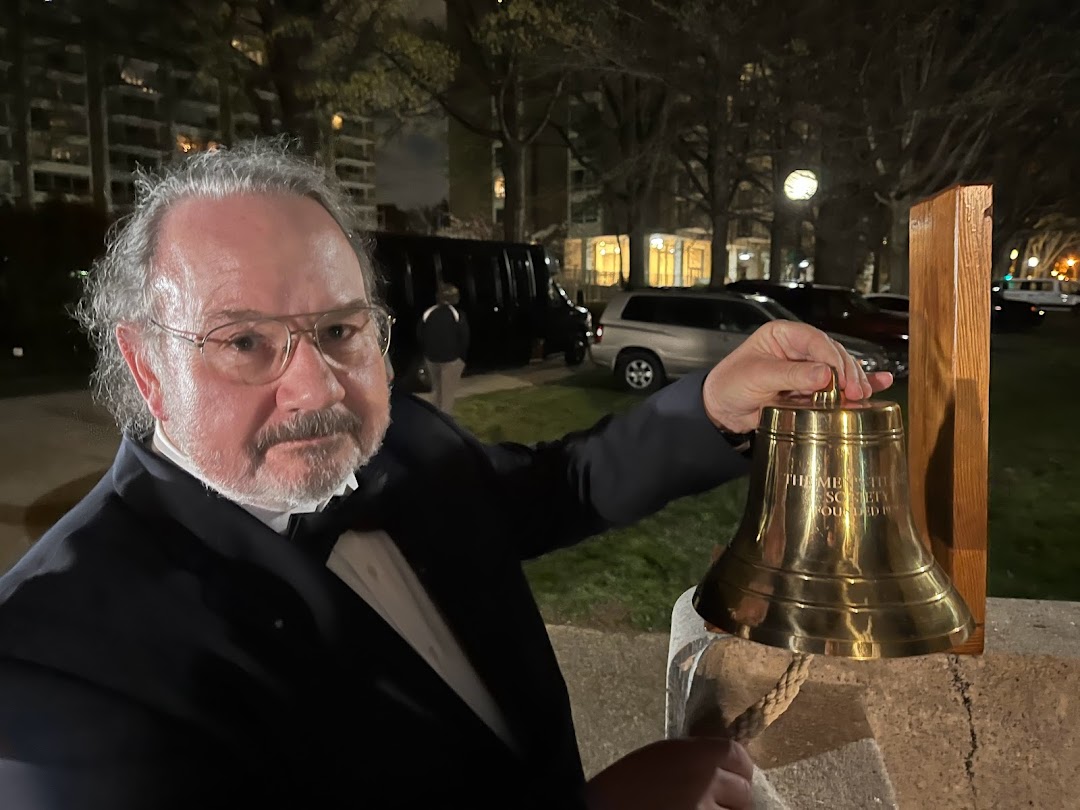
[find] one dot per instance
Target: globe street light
(800, 185)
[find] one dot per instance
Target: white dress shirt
(371, 564)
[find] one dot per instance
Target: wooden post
(950, 384)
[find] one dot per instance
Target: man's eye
(336, 332)
(249, 342)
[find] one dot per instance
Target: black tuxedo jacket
(161, 648)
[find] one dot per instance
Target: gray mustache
(313, 425)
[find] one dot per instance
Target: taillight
(599, 332)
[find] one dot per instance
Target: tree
(917, 93)
(294, 63)
(723, 90)
(621, 121)
(510, 68)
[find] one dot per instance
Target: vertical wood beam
(949, 397)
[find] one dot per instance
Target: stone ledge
(999, 730)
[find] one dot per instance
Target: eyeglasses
(257, 351)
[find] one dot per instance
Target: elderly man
(297, 589)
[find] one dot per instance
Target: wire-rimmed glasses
(255, 351)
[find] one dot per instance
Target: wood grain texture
(949, 399)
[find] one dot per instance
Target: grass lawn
(631, 577)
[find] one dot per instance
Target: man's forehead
(246, 256)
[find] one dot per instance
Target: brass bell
(827, 559)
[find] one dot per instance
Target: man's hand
(691, 774)
(782, 357)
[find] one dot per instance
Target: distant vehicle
(1012, 316)
(890, 302)
(509, 292)
(1005, 315)
(652, 336)
(1045, 293)
(838, 309)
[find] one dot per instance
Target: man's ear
(133, 348)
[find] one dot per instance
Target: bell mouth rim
(849, 648)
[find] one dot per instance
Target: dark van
(509, 292)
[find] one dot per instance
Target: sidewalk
(538, 372)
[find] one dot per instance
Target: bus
(510, 293)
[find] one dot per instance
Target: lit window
(608, 258)
(500, 188)
(661, 261)
(697, 262)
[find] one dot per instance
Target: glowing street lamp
(1033, 261)
(800, 185)
(1015, 254)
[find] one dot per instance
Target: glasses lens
(249, 351)
(350, 337)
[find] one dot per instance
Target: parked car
(1045, 293)
(651, 336)
(838, 309)
(1012, 316)
(1005, 315)
(509, 292)
(890, 302)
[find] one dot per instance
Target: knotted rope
(762, 714)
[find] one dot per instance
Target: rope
(762, 714)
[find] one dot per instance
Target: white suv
(651, 336)
(1046, 293)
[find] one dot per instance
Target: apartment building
(83, 146)
(564, 195)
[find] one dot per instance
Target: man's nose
(309, 383)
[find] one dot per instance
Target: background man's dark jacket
(444, 334)
(161, 648)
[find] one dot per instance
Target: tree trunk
(20, 111)
(514, 177)
(837, 254)
(778, 241)
(896, 252)
(639, 275)
(720, 228)
(97, 127)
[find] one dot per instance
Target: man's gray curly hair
(119, 290)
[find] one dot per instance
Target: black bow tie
(317, 532)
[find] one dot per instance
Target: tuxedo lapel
(430, 513)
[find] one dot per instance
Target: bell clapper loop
(830, 396)
(765, 712)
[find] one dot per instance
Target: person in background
(444, 341)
